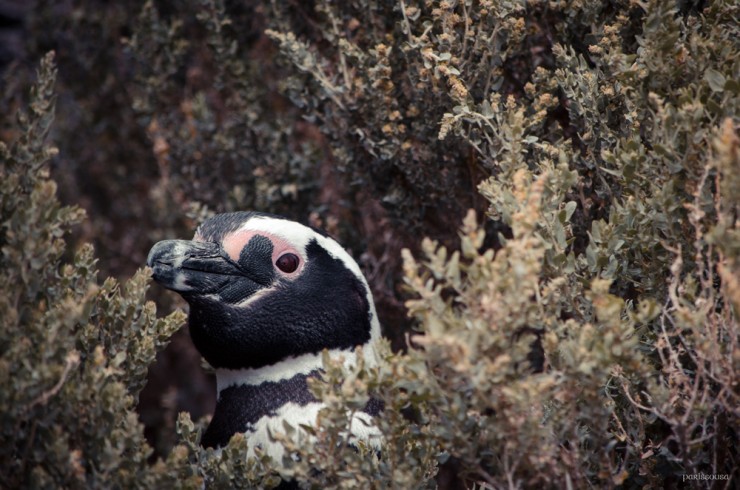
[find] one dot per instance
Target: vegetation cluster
(571, 321)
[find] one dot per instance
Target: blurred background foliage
(578, 326)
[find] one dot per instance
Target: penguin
(267, 296)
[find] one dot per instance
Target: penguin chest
(262, 433)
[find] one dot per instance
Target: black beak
(189, 267)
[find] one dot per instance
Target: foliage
(73, 352)
(580, 328)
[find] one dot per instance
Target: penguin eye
(287, 263)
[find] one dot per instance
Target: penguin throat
(304, 364)
(274, 373)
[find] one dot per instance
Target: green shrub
(579, 329)
(73, 352)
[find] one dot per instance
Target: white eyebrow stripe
(300, 236)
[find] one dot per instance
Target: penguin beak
(192, 267)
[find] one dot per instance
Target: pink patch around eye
(235, 242)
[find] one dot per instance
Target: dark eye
(287, 262)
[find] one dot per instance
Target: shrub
(579, 329)
(74, 352)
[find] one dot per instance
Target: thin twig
(72, 360)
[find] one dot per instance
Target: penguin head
(263, 289)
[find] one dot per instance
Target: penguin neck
(305, 364)
(247, 397)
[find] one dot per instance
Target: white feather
(287, 368)
(260, 435)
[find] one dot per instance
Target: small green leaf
(715, 79)
(570, 208)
